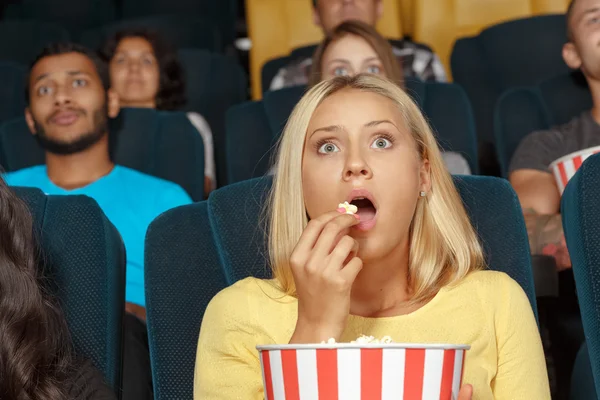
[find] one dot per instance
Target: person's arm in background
(540, 200)
(201, 125)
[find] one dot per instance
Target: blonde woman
(408, 265)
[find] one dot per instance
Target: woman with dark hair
(36, 358)
(146, 73)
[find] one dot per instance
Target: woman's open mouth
(367, 210)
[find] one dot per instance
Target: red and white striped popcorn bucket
(565, 167)
(348, 371)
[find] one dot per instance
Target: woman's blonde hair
(444, 247)
(381, 46)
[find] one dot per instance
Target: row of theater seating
(194, 251)
(438, 22)
(77, 15)
(165, 144)
(278, 27)
(502, 57)
(214, 83)
(184, 32)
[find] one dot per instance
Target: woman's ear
(379, 9)
(571, 56)
(425, 176)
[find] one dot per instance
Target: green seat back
(84, 261)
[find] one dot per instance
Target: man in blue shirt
(69, 103)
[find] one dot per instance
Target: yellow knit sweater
(487, 310)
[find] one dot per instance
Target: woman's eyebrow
(379, 122)
(374, 58)
(331, 128)
(339, 60)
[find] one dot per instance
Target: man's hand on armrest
(540, 200)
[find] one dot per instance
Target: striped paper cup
(565, 167)
(347, 371)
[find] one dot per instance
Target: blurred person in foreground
(37, 360)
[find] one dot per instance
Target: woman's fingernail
(356, 216)
(341, 210)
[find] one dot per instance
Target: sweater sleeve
(521, 370)
(227, 362)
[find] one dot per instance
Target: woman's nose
(356, 166)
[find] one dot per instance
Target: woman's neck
(382, 288)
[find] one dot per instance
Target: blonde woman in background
(409, 265)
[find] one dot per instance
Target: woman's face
(349, 56)
(134, 73)
(358, 149)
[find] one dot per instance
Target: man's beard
(81, 143)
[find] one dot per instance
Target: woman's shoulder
(488, 277)
(251, 305)
(249, 293)
(490, 285)
(253, 287)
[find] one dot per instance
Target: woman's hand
(324, 265)
(466, 393)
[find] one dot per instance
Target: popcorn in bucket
(565, 167)
(365, 370)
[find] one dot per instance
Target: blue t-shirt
(130, 200)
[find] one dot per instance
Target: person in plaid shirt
(417, 60)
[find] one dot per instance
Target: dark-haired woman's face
(348, 56)
(134, 73)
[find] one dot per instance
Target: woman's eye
(374, 69)
(44, 90)
(381, 143)
(79, 83)
(340, 71)
(148, 61)
(328, 148)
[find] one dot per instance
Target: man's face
(68, 107)
(330, 13)
(583, 49)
